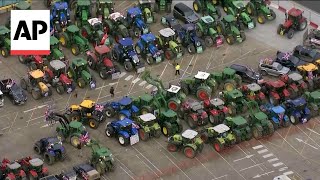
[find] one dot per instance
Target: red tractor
(11, 171)
(193, 113)
(294, 22)
(100, 60)
(216, 110)
(276, 91)
(295, 84)
(33, 61)
(33, 167)
(253, 92)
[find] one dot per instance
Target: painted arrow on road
(260, 175)
(246, 157)
(300, 140)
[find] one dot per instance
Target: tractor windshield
(313, 53)
(126, 128)
(128, 48)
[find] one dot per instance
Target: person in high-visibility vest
(177, 69)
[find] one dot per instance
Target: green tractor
(168, 121)
(116, 26)
(80, 73)
(220, 136)
(72, 38)
(189, 141)
(104, 8)
(101, 158)
(240, 128)
(227, 80)
(22, 5)
(260, 9)
(238, 9)
(55, 50)
(168, 42)
(83, 12)
(206, 29)
(162, 5)
(235, 101)
(147, 13)
(201, 85)
(229, 28)
(259, 122)
(93, 31)
(148, 126)
(313, 99)
(206, 7)
(5, 42)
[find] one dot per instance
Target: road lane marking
(282, 169)
(246, 157)
(250, 167)
(263, 151)
(257, 147)
(220, 177)
(38, 107)
(149, 86)
(277, 164)
(128, 77)
(122, 74)
(288, 173)
(143, 83)
(267, 155)
(272, 160)
(147, 166)
(136, 80)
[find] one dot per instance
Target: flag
(98, 107)
(287, 55)
(134, 125)
(85, 138)
(310, 75)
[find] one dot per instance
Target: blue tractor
(51, 148)
(146, 47)
(61, 15)
(123, 108)
(135, 22)
(125, 130)
(297, 110)
(277, 115)
(188, 38)
(124, 53)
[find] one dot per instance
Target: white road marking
(259, 175)
(38, 107)
(257, 147)
(220, 177)
(263, 151)
(288, 173)
(274, 5)
(164, 69)
(148, 161)
(267, 155)
(272, 160)
(114, 83)
(205, 167)
(128, 77)
(5, 128)
(246, 157)
(149, 86)
(122, 74)
(147, 165)
(277, 164)
(142, 83)
(282, 169)
(136, 80)
(300, 140)
(250, 167)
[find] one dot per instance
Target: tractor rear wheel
(60, 89)
(75, 50)
(37, 147)
(36, 94)
(280, 29)
(103, 73)
(48, 158)
(203, 94)
(81, 83)
(290, 34)
(137, 32)
(74, 141)
(229, 85)
(257, 131)
(191, 122)
(208, 41)
(31, 177)
(109, 112)
(144, 136)
(138, 49)
(218, 146)
(261, 18)
(191, 49)
(275, 125)
(173, 105)
(4, 52)
(169, 54)
(270, 128)
(303, 25)
(23, 84)
(32, 66)
(149, 59)
(197, 6)
(189, 152)
(99, 168)
(273, 15)
(251, 9)
(230, 39)
(294, 119)
(109, 131)
(157, 133)
(115, 55)
(123, 141)
(172, 147)
(93, 123)
(128, 66)
(64, 40)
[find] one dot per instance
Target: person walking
(177, 69)
(75, 94)
(112, 91)
(79, 147)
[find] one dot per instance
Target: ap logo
(30, 32)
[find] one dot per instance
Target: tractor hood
(265, 9)
(106, 13)
(57, 54)
(140, 24)
(64, 79)
(261, 116)
(173, 44)
(133, 55)
(63, 19)
(153, 50)
(107, 63)
(212, 32)
(84, 15)
(287, 23)
(80, 41)
(123, 30)
(43, 87)
(235, 30)
(246, 18)
(134, 109)
(86, 75)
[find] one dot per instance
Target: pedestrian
(79, 147)
(75, 94)
(112, 91)
(177, 69)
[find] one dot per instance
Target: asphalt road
(313, 5)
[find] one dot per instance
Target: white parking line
(272, 160)
(251, 167)
(149, 86)
(267, 155)
(282, 169)
(142, 83)
(263, 151)
(257, 147)
(277, 164)
(288, 173)
(122, 74)
(128, 77)
(136, 80)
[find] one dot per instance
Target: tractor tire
(243, 36)
(286, 124)
(60, 89)
(146, 110)
(166, 131)
(251, 9)
(294, 120)
(204, 137)
(261, 18)
(270, 128)
(110, 112)
(22, 60)
(23, 84)
(123, 141)
(184, 88)
(99, 168)
(221, 28)
(103, 73)
(48, 158)
(290, 34)
(33, 66)
(192, 124)
(172, 147)
(156, 8)
(232, 110)
(149, 59)
(169, 54)
(218, 146)
(303, 25)
(64, 40)
(128, 66)
(81, 83)
(74, 116)
(314, 110)
(137, 32)
(229, 85)
(4, 52)
(275, 125)
(203, 94)
(93, 123)
(173, 105)
(191, 49)
(230, 40)
(214, 120)
(293, 94)
(189, 152)
(138, 49)
(279, 29)
(109, 131)
(199, 33)
(75, 141)
(197, 6)
(208, 41)
(115, 55)
(91, 62)
(36, 94)
(157, 133)
(144, 136)
(257, 131)
(75, 50)
(273, 15)
(37, 147)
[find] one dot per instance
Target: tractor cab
(189, 136)
(221, 130)
(133, 14)
(148, 40)
(168, 115)
(189, 29)
(208, 22)
(147, 119)
(60, 11)
(53, 143)
(228, 73)
(36, 164)
(298, 104)
(230, 20)
(105, 7)
(95, 23)
(314, 97)
(253, 88)
(234, 95)
(237, 122)
(73, 31)
(278, 111)
(217, 102)
(167, 35)
(125, 103)
(126, 44)
(36, 77)
(79, 65)
(294, 16)
(4, 33)
(308, 71)
(102, 52)
(117, 18)
(125, 125)
(201, 77)
(173, 91)
(54, 43)
(83, 9)
(145, 4)
(14, 167)
(87, 106)
(22, 5)
(57, 67)
(76, 126)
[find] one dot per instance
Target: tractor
(216, 110)
(85, 171)
(35, 84)
(136, 23)
(33, 62)
(313, 99)
(72, 38)
(5, 42)
(33, 167)
(162, 5)
(201, 85)
(235, 101)
(276, 91)
(104, 9)
(20, 5)
(71, 3)
(189, 141)
(297, 110)
(227, 79)
(61, 15)
(80, 73)
(11, 170)
(206, 7)
(100, 60)
(240, 127)
(51, 149)
(253, 92)
(124, 108)
(229, 28)
(55, 51)
(147, 48)
(295, 84)
(167, 41)
(311, 38)
(294, 21)
(83, 12)
(148, 126)
(258, 121)
(148, 14)
(309, 72)
(87, 112)
(93, 31)
(124, 53)
(260, 9)
(220, 136)
(116, 26)
(206, 29)
(56, 75)
(189, 39)
(277, 115)
(193, 113)
(125, 130)
(101, 158)
(238, 9)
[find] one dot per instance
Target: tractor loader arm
(62, 119)
(156, 82)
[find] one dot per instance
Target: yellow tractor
(87, 112)
(309, 72)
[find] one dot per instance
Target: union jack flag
(287, 55)
(310, 75)
(134, 125)
(85, 138)
(98, 107)
(47, 113)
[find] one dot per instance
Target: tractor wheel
(313, 110)
(169, 54)
(156, 8)
(286, 123)
(218, 146)
(91, 62)
(144, 136)
(75, 50)
(60, 89)
(23, 84)
(290, 34)
(243, 36)
(115, 55)
(173, 105)
(149, 59)
(138, 49)
(275, 125)
(122, 116)
(214, 119)
(191, 49)
(33, 66)
(274, 101)
(230, 39)
(137, 32)
(229, 85)
(128, 66)
(74, 141)
(109, 131)
(303, 25)
(4, 52)
(280, 29)
(37, 147)
(185, 89)
(103, 73)
(123, 141)
(64, 40)
(270, 128)
(251, 9)
(208, 41)
(232, 110)
(93, 123)
(172, 147)
(146, 110)
(202, 94)
(22, 60)
(294, 119)
(257, 131)
(197, 6)
(49, 159)
(192, 124)
(204, 137)
(189, 152)
(221, 28)
(109, 112)
(74, 116)
(166, 131)
(100, 169)
(36, 94)
(157, 133)
(273, 15)
(81, 83)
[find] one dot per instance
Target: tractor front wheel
(37, 148)
(22, 59)
(166, 130)
(290, 34)
(191, 49)
(208, 41)
(243, 36)
(196, 6)
(144, 136)
(103, 73)
(48, 158)
(202, 94)
(138, 49)
(23, 84)
(36, 94)
(280, 30)
(261, 18)
(81, 83)
(229, 86)
(109, 112)
(137, 32)
(294, 119)
(313, 110)
(230, 40)
(100, 169)
(189, 152)
(32, 66)
(303, 25)
(218, 146)
(109, 131)
(128, 66)
(270, 128)
(149, 59)
(169, 54)
(273, 15)
(60, 89)
(75, 50)
(172, 147)
(251, 9)
(93, 123)
(123, 141)
(74, 141)
(4, 52)
(191, 122)
(257, 131)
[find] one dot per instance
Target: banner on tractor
(30, 32)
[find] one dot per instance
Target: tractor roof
(126, 42)
(36, 74)
(239, 120)
(260, 115)
(238, 4)
(134, 11)
(73, 28)
(315, 94)
(83, 3)
(147, 117)
(57, 65)
(308, 67)
(229, 18)
(207, 19)
(229, 71)
(189, 134)
(114, 16)
(87, 103)
(298, 102)
(148, 37)
(169, 113)
(254, 87)
(295, 12)
(125, 101)
(144, 1)
(79, 62)
(277, 84)
(217, 102)
(94, 21)
(75, 124)
(53, 40)
(102, 49)
(235, 93)
(105, 1)
(146, 97)
(278, 109)
(174, 89)
(14, 165)
(4, 30)
(53, 140)
(295, 76)
(167, 32)
(202, 75)
(221, 128)
(23, 5)
(60, 5)
(36, 162)
(125, 122)
(196, 106)
(188, 27)
(103, 152)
